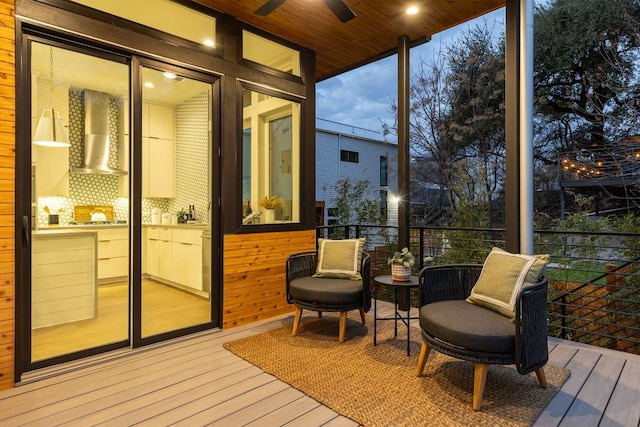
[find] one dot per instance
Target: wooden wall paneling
(254, 274)
(7, 192)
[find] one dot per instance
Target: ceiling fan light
(50, 131)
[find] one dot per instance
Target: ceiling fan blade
(268, 7)
(340, 9)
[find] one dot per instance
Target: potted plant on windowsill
(269, 203)
(401, 263)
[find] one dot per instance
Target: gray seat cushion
(324, 290)
(468, 326)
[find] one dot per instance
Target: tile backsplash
(192, 165)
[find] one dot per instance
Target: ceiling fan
(338, 7)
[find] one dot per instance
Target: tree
(587, 90)
(352, 205)
(457, 121)
(586, 71)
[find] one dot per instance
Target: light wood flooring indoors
(194, 381)
(164, 308)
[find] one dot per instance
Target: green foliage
(353, 207)
(580, 272)
(586, 70)
(629, 223)
(349, 197)
(457, 120)
(465, 245)
(577, 256)
(404, 257)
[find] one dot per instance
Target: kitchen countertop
(81, 227)
(194, 226)
(67, 228)
(52, 231)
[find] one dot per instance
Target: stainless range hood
(96, 136)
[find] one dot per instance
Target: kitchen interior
(80, 224)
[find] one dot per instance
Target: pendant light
(50, 131)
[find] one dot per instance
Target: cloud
(362, 97)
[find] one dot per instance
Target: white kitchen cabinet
(158, 151)
(63, 278)
(158, 258)
(187, 252)
(160, 121)
(152, 256)
(113, 253)
(158, 166)
(165, 256)
(174, 255)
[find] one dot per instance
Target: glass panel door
(84, 298)
(176, 201)
(80, 202)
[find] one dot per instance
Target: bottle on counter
(248, 211)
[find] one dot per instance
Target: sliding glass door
(175, 200)
(107, 270)
(79, 295)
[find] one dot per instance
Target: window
(269, 53)
(349, 156)
(186, 23)
(384, 174)
(383, 203)
(270, 159)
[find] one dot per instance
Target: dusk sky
(362, 97)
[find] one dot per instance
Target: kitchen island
(64, 276)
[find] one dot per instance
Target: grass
(579, 272)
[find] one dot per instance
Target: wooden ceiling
(371, 35)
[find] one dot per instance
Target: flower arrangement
(270, 202)
(404, 257)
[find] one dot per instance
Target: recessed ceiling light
(149, 85)
(209, 43)
(412, 10)
(169, 75)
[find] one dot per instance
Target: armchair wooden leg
(424, 355)
(343, 325)
(296, 321)
(479, 380)
(542, 379)
(319, 314)
(362, 314)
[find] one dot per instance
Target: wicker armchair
(470, 332)
(326, 294)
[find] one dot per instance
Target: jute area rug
(377, 386)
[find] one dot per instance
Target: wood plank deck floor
(194, 381)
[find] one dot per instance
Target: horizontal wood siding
(254, 274)
(7, 192)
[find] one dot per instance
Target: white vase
(269, 216)
(400, 273)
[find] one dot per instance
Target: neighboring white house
(349, 151)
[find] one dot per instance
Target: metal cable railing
(594, 278)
